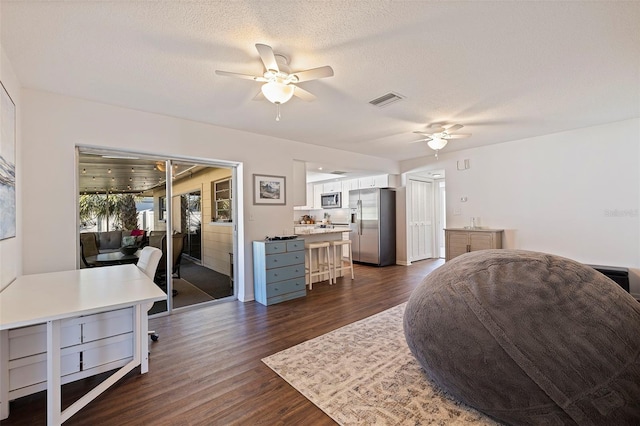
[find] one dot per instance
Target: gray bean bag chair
(529, 338)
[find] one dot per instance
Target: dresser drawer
(107, 324)
(32, 340)
(108, 350)
(273, 248)
(288, 286)
(295, 245)
(284, 259)
(33, 369)
(286, 273)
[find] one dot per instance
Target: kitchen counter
(301, 231)
(315, 235)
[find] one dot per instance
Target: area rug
(213, 283)
(365, 374)
(188, 294)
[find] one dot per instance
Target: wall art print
(269, 190)
(7, 165)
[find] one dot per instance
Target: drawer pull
(275, 275)
(275, 288)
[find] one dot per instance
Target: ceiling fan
(279, 82)
(440, 135)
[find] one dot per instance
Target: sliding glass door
(165, 197)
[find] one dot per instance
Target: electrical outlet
(457, 211)
(251, 218)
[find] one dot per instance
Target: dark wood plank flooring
(206, 368)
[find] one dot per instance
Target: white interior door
(441, 217)
(420, 219)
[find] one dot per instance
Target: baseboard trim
(403, 263)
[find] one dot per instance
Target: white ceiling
(505, 70)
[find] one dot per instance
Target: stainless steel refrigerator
(373, 225)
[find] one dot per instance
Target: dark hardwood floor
(206, 368)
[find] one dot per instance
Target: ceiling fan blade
(267, 56)
(422, 140)
(314, 73)
(422, 133)
(452, 127)
(237, 75)
(259, 96)
(303, 94)
(458, 136)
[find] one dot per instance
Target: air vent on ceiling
(338, 172)
(387, 99)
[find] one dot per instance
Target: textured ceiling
(505, 70)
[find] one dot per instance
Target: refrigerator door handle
(359, 217)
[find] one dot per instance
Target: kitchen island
(316, 235)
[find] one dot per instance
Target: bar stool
(321, 267)
(341, 263)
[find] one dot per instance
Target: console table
(463, 240)
(56, 302)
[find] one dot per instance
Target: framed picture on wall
(7, 165)
(269, 190)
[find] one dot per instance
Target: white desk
(51, 297)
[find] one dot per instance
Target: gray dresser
(278, 270)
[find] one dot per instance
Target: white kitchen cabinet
(333, 187)
(348, 185)
(379, 181)
(310, 195)
(318, 190)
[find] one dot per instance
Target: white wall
(10, 261)
(53, 125)
(575, 194)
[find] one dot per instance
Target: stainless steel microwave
(331, 201)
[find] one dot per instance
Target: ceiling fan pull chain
(278, 111)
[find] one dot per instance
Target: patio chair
(178, 244)
(88, 248)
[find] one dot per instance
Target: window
(221, 208)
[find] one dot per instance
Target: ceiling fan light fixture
(277, 93)
(437, 143)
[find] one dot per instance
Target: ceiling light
(437, 143)
(276, 92)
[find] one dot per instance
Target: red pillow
(137, 232)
